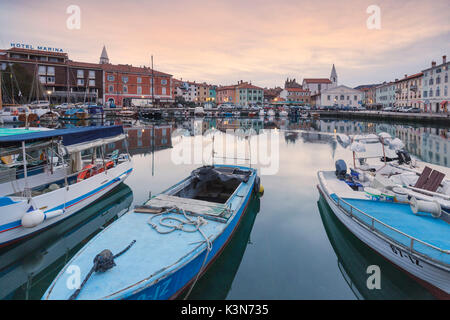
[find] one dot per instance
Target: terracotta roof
(411, 77)
(226, 88)
(317, 80)
(296, 89)
(128, 68)
(49, 53)
(248, 86)
(84, 64)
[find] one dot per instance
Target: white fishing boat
(283, 113)
(199, 111)
(17, 114)
(393, 208)
(48, 175)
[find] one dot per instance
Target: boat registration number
(406, 255)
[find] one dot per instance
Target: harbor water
(289, 244)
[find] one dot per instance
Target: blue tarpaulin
(70, 136)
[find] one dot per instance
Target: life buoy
(108, 165)
(87, 172)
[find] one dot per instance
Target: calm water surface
(289, 246)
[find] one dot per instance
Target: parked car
(389, 109)
(360, 109)
(39, 104)
(414, 110)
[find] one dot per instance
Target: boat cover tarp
(211, 174)
(70, 136)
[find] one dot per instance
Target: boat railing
(372, 223)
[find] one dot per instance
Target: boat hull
(432, 276)
(180, 280)
(72, 201)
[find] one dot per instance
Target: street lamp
(49, 95)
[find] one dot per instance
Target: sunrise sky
(221, 42)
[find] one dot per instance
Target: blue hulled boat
(161, 248)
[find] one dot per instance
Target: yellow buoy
(261, 190)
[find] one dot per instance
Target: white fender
(33, 218)
(432, 207)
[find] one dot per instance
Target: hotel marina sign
(31, 47)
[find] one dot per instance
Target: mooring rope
(197, 223)
(102, 262)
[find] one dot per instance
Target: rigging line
(200, 221)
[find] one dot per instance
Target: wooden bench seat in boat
(192, 206)
(429, 179)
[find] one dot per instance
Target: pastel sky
(225, 41)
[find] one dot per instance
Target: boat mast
(12, 87)
(67, 83)
(25, 171)
(1, 97)
(153, 84)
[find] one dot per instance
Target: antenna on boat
(153, 149)
(212, 156)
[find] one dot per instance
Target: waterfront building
(408, 91)
(369, 92)
(212, 93)
(291, 83)
(385, 94)
(126, 85)
(248, 94)
(316, 85)
(295, 95)
(243, 93)
(187, 90)
(54, 76)
(226, 94)
(340, 96)
(272, 94)
(202, 92)
(60, 79)
(435, 87)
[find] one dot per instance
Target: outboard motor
(341, 169)
(403, 157)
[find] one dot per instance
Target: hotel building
(60, 79)
(56, 78)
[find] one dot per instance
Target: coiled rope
(196, 223)
(102, 262)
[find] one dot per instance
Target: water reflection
(353, 258)
(293, 253)
(28, 267)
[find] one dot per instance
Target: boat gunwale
(385, 236)
(131, 288)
